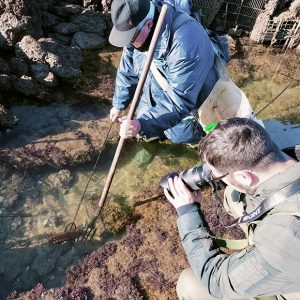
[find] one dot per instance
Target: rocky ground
(144, 264)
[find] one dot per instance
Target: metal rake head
(89, 230)
(87, 234)
(72, 233)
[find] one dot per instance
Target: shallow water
(284, 134)
(131, 177)
(43, 210)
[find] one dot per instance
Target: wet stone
(62, 179)
(44, 264)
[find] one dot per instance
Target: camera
(194, 178)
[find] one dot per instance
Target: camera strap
(269, 203)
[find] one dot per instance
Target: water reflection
(284, 134)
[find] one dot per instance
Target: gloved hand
(129, 128)
(178, 194)
(114, 114)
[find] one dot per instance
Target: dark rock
(85, 40)
(66, 10)
(43, 264)
(64, 61)
(65, 28)
(7, 120)
(2, 6)
(49, 20)
(19, 66)
(4, 66)
(44, 4)
(25, 85)
(39, 71)
(5, 82)
(3, 41)
(77, 2)
(90, 21)
(17, 271)
(26, 278)
(61, 38)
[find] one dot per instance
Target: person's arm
(126, 80)
(188, 63)
(242, 274)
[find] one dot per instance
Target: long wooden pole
(134, 103)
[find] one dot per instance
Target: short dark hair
(239, 144)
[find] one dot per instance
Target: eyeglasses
(219, 177)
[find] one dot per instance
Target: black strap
(293, 151)
(269, 203)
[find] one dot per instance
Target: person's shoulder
(176, 5)
(278, 237)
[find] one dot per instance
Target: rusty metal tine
(87, 233)
(83, 235)
(91, 226)
(94, 231)
(70, 226)
(90, 234)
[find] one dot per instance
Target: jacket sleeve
(187, 65)
(126, 80)
(242, 274)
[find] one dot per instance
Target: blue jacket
(271, 266)
(185, 57)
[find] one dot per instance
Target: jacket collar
(273, 184)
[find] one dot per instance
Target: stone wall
(43, 42)
(277, 10)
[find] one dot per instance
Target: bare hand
(129, 128)
(114, 114)
(180, 194)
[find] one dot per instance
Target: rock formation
(44, 42)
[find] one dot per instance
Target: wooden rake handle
(133, 105)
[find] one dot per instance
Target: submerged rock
(7, 120)
(61, 179)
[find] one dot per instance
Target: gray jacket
(271, 266)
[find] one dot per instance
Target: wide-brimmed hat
(126, 16)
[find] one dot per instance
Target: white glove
(129, 128)
(114, 114)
